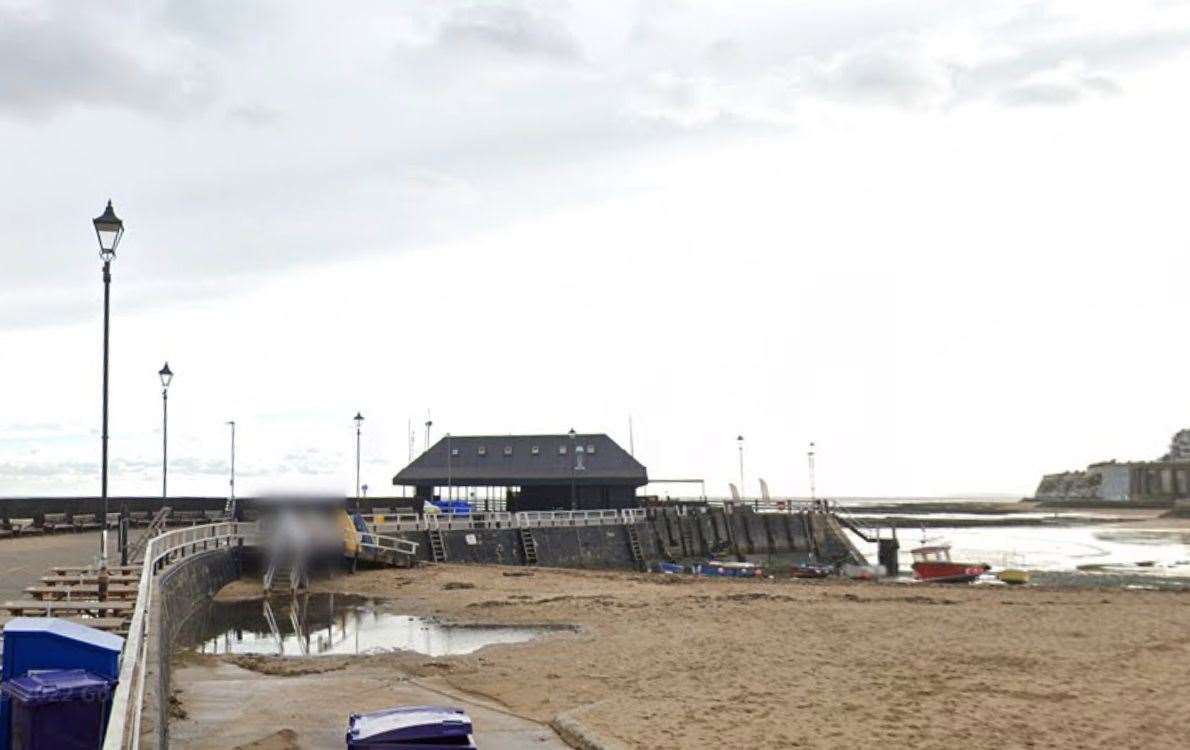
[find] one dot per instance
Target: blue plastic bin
(410, 728)
(36, 643)
(57, 709)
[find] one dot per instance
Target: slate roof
(510, 460)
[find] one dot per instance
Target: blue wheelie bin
(410, 728)
(57, 709)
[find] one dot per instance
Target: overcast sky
(945, 240)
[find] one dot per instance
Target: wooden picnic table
(80, 592)
(34, 606)
(64, 570)
(61, 580)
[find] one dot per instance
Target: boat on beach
(932, 564)
(810, 570)
(729, 569)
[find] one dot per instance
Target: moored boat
(729, 569)
(932, 564)
(1013, 576)
(810, 570)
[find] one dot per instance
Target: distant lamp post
(108, 230)
(359, 421)
(810, 461)
(573, 494)
(230, 510)
(740, 443)
(166, 376)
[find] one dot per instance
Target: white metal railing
(124, 725)
(502, 520)
(379, 541)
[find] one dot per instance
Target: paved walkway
(24, 560)
(227, 706)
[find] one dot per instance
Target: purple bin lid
(409, 723)
(55, 685)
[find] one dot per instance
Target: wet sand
(663, 662)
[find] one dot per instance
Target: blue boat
(721, 569)
(671, 568)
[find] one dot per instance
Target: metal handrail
(123, 729)
(502, 519)
(379, 541)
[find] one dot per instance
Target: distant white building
(1157, 482)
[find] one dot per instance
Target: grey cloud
(256, 115)
(510, 29)
(1038, 60)
(49, 63)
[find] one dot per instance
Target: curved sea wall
(181, 595)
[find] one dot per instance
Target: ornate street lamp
(740, 442)
(108, 230)
(359, 421)
(573, 495)
(166, 376)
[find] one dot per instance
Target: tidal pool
(325, 624)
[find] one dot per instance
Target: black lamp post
(359, 421)
(740, 442)
(166, 376)
(108, 229)
(573, 495)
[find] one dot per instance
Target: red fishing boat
(933, 564)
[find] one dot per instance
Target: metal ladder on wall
(638, 556)
(437, 546)
(687, 537)
(528, 545)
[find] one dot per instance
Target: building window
(508, 450)
(454, 451)
(535, 450)
(483, 450)
(561, 450)
(590, 447)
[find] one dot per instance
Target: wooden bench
(66, 570)
(22, 606)
(84, 522)
(84, 592)
(57, 522)
(72, 580)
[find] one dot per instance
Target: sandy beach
(664, 662)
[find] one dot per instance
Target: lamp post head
(572, 433)
(109, 229)
(740, 439)
(166, 375)
(359, 419)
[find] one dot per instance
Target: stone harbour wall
(666, 535)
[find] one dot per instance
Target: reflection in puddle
(341, 624)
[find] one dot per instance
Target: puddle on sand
(341, 624)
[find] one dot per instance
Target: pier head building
(527, 472)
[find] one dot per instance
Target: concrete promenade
(24, 560)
